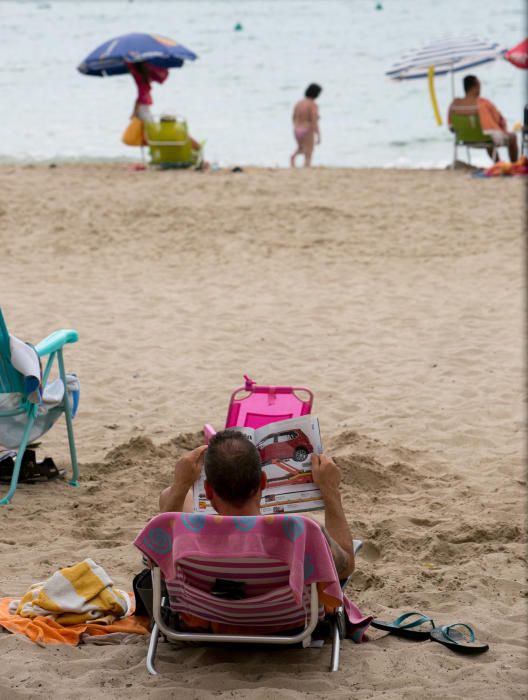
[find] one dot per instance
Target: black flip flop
(406, 630)
(456, 641)
(30, 470)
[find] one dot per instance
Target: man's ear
(208, 490)
(263, 480)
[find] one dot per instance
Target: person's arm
(159, 75)
(294, 115)
(327, 475)
(449, 113)
(186, 471)
(502, 121)
(496, 116)
(315, 118)
(490, 117)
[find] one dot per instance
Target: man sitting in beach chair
(234, 482)
(239, 578)
(491, 120)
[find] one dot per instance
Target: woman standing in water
(306, 125)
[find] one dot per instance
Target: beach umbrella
(443, 57)
(111, 57)
(518, 55)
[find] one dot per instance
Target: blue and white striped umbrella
(447, 56)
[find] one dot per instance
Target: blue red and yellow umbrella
(111, 57)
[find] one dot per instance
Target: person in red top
(491, 120)
(144, 74)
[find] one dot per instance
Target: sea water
(239, 94)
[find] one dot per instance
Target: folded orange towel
(44, 630)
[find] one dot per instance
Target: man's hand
(187, 469)
(326, 474)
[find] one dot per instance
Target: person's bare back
(305, 114)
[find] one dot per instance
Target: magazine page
(285, 449)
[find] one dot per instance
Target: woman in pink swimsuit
(306, 125)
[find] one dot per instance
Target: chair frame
(52, 348)
(483, 144)
(161, 628)
(337, 621)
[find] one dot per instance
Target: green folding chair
(170, 145)
(468, 133)
(21, 421)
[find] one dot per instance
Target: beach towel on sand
(74, 595)
(44, 630)
(78, 603)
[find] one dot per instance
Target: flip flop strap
(420, 621)
(447, 628)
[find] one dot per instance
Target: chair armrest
(56, 341)
(209, 431)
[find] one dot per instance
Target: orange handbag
(134, 135)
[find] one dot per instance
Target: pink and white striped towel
(267, 563)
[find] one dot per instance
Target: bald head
(232, 466)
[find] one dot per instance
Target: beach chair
(170, 145)
(253, 406)
(467, 132)
(524, 141)
(30, 405)
(244, 580)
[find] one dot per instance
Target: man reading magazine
(235, 480)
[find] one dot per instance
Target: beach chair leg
(19, 458)
(152, 648)
(336, 647)
(69, 423)
(454, 156)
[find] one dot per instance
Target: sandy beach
(398, 297)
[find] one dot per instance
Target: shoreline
(98, 161)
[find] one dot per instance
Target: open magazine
(285, 450)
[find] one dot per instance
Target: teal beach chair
(21, 422)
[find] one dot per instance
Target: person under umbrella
(144, 75)
(147, 57)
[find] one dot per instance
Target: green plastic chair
(12, 382)
(468, 133)
(170, 145)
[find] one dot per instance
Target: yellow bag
(134, 135)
